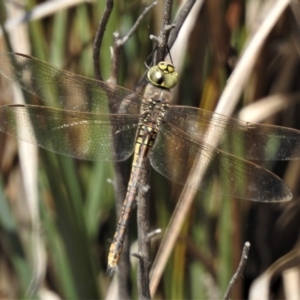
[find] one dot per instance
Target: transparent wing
(240, 138)
(202, 167)
(65, 90)
(78, 134)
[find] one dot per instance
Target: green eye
(163, 75)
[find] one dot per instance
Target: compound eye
(163, 75)
(156, 76)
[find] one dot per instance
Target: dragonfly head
(163, 75)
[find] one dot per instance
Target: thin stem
(99, 37)
(136, 25)
(164, 34)
(179, 20)
(119, 42)
(239, 272)
(143, 242)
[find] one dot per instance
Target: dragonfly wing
(65, 90)
(200, 166)
(86, 136)
(240, 138)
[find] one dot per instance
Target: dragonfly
(95, 120)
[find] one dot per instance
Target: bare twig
(239, 272)
(143, 241)
(164, 34)
(185, 10)
(119, 42)
(122, 41)
(99, 38)
(143, 286)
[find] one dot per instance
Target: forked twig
(123, 40)
(119, 42)
(179, 20)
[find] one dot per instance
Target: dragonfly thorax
(155, 106)
(154, 113)
(163, 75)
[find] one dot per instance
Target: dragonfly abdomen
(144, 141)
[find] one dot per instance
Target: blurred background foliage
(57, 246)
